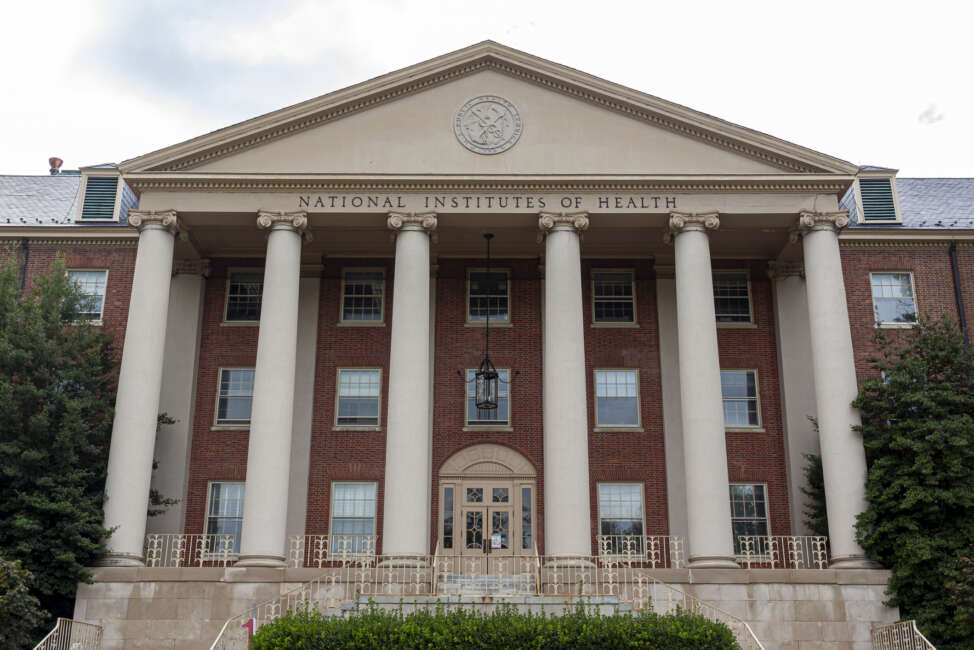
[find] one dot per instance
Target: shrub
(504, 628)
(19, 610)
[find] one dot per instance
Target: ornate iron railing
(178, 550)
(72, 635)
(783, 552)
(656, 551)
(902, 635)
(319, 550)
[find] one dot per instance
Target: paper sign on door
(495, 541)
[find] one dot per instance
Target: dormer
(105, 197)
(876, 201)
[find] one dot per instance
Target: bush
(504, 628)
(19, 610)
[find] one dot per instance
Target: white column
(704, 448)
(408, 477)
(139, 385)
(834, 369)
(264, 535)
(567, 509)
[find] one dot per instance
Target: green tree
(918, 429)
(57, 387)
(20, 612)
(816, 517)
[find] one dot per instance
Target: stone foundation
(186, 608)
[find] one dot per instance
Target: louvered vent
(877, 199)
(100, 198)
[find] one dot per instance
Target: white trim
(861, 212)
(97, 322)
(488, 425)
(767, 506)
(331, 505)
(598, 502)
(206, 511)
(99, 173)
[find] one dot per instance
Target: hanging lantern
(486, 378)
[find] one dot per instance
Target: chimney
(55, 164)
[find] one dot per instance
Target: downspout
(24, 251)
(958, 294)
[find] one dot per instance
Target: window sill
(617, 429)
(355, 427)
(364, 323)
(737, 326)
(240, 323)
(503, 323)
(230, 427)
(744, 429)
(487, 427)
(616, 325)
(895, 326)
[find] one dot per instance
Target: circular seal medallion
(487, 124)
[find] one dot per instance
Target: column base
(272, 561)
(121, 559)
(712, 562)
(853, 562)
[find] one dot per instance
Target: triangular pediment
(569, 123)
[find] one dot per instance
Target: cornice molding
(899, 244)
(491, 56)
(131, 242)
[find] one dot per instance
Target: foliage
(158, 504)
(962, 591)
(816, 517)
(504, 628)
(918, 429)
(20, 612)
(56, 391)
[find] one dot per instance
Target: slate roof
(926, 203)
(49, 201)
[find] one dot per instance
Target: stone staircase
(486, 584)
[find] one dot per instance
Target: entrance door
(488, 533)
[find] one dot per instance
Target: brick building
(669, 298)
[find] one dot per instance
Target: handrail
(76, 635)
(742, 630)
(902, 635)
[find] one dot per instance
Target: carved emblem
(487, 124)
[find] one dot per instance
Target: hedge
(504, 628)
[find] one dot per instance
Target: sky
(875, 83)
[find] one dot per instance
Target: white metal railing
(178, 550)
(783, 552)
(487, 574)
(903, 635)
(318, 550)
(72, 635)
(663, 599)
(657, 551)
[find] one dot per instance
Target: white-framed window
(488, 293)
(235, 396)
(617, 398)
(91, 284)
(613, 296)
(363, 295)
(224, 510)
(732, 296)
(358, 397)
(244, 291)
(739, 389)
(500, 416)
(352, 516)
(620, 517)
(749, 512)
(893, 298)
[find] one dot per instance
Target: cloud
(930, 115)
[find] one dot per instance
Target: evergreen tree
(918, 429)
(57, 388)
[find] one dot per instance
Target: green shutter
(100, 194)
(877, 199)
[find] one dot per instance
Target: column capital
(778, 270)
(550, 220)
(297, 221)
(822, 220)
(166, 219)
(680, 222)
(412, 221)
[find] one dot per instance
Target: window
(91, 285)
(616, 398)
(352, 517)
(749, 512)
(740, 393)
(488, 293)
(236, 396)
(224, 515)
(893, 301)
(362, 296)
(613, 300)
(497, 416)
(244, 289)
(620, 516)
(732, 297)
(358, 397)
